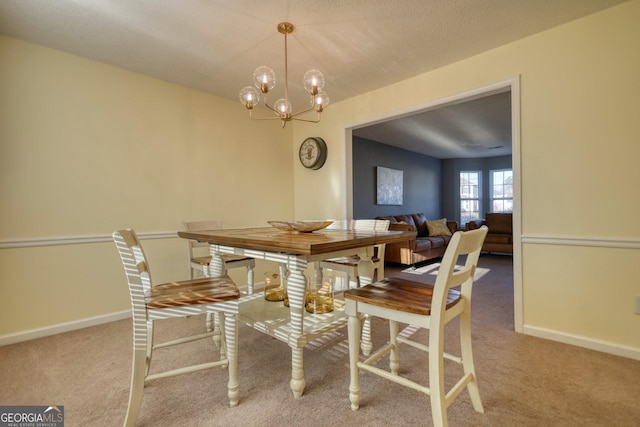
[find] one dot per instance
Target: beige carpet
(524, 381)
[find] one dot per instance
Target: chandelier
(264, 80)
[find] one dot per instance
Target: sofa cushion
(438, 242)
(500, 223)
(407, 219)
(422, 244)
(438, 228)
(421, 224)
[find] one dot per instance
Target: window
(469, 196)
(502, 190)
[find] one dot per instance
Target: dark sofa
(424, 247)
(500, 235)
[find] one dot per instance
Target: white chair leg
(394, 357)
(216, 329)
(436, 375)
(149, 349)
(137, 386)
(354, 330)
(366, 345)
(250, 278)
(467, 360)
(209, 322)
(223, 341)
(231, 339)
(213, 319)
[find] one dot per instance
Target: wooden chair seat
(197, 291)
(401, 294)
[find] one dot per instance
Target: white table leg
(296, 287)
(231, 337)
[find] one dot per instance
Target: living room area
(433, 204)
(451, 161)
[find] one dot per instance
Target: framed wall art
(389, 186)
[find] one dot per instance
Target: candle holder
(319, 296)
(275, 286)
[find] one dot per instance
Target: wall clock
(313, 153)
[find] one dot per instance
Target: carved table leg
(296, 287)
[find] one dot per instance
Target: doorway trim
(512, 84)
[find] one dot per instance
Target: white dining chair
(349, 266)
(177, 299)
(427, 306)
(200, 259)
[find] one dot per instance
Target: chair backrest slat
(197, 226)
(469, 244)
(370, 224)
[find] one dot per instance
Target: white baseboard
(62, 327)
(580, 341)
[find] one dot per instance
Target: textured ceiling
(470, 129)
(215, 45)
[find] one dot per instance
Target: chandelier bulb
(283, 107)
(264, 78)
(321, 100)
(313, 81)
(249, 97)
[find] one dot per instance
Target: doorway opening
(513, 87)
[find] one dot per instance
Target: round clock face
(313, 153)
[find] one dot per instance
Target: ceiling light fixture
(264, 80)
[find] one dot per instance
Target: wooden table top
(323, 241)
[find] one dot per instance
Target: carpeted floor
(524, 381)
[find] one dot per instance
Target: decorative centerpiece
(300, 226)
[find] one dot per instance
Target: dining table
(295, 250)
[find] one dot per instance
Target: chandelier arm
(268, 118)
(307, 120)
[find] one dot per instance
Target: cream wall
(74, 133)
(580, 133)
(87, 148)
